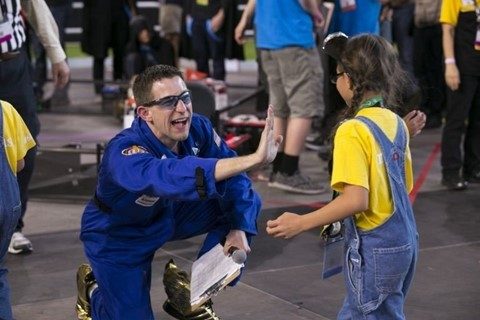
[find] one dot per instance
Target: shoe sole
(295, 190)
(168, 308)
(20, 249)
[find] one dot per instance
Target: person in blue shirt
(167, 177)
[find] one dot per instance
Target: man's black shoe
(455, 183)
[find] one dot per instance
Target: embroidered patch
(8, 142)
(134, 150)
(146, 200)
(217, 138)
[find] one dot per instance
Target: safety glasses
(170, 102)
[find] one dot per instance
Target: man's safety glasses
(170, 102)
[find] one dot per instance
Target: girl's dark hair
(142, 85)
(372, 65)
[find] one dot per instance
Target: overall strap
(400, 137)
(2, 141)
(390, 150)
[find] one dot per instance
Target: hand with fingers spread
(286, 226)
(269, 142)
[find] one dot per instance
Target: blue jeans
(402, 33)
(380, 263)
(10, 207)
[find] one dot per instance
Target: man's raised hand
(269, 142)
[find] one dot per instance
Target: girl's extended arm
(354, 199)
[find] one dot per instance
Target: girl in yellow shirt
(372, 174)
(15, 141)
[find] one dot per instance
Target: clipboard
(210, 274)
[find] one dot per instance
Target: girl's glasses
(334, 77)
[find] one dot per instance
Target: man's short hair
(142, 86)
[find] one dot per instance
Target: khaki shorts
(295, 81)
(170, 18)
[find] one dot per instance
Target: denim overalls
(380, 263)
(10, 207)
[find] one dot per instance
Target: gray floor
(282, 280)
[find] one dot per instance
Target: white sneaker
(19, 244)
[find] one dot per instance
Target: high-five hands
(269, 142)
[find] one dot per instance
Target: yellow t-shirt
(16, 136)
(451, 8)
(357, 160)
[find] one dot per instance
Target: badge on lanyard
(6, 29)
(348, 5)
(333, 253)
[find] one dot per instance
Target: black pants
(204, 48)
(16, 87)
(462, 121)
(429, 69)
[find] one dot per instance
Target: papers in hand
(211, 273)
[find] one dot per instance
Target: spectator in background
(60, 11)
(205, 25)
(428, 62)
(289, 57)
(146, 48)
(15, 141)
(106, 25)
(16, 83)
(461, 49)
(360, 17)
(170, 20)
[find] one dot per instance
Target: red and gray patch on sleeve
(134, 150)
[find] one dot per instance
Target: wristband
(449, 60)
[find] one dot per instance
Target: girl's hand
(415, 121)
(287, 226)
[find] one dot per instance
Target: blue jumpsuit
(10, 209)
(380, 263)
(148, 195)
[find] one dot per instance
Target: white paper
(208, 270)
